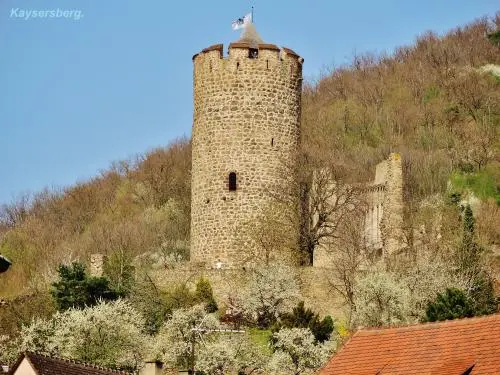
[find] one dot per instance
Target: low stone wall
(318, 293)
(314, 282)
(97, 264)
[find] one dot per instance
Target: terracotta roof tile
(45, 365)
(451, 347)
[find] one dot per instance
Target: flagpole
(252, 16)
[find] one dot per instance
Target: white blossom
(428, 277)
(229, 354)
(297, 353)
(8, 352)
(273, 289)
(381, 299)
(108, 334)
(179, 337)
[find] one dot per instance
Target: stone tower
(246, 125)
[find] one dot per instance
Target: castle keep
(246, 125)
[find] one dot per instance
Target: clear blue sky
(76, 94)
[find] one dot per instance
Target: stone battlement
(243, 55)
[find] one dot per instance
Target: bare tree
(348, 255)
(14, 213)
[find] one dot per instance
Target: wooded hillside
(434, 102)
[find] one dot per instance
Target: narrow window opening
(253, 53)
(272, 141)
(267, 64)
(232, 181)
(237, 65)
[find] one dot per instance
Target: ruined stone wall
(246, 121)
(383, 224)
(391, 225)
(375, 195)
(384, 219)
(97, 264)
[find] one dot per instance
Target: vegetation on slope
(430, 102)
(133, 208)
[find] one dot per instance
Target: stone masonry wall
(383, 226)
(375, 195)
(391, 225)
(315, 288)
(246, 121)
(97, 264)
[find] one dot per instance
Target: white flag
(242, 22)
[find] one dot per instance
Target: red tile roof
(44, 365)
(443, 348)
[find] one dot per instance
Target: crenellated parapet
(242, 55)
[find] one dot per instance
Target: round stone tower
(246, 127)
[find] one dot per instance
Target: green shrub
(118, 268)
(75, 289)
(452, 304)
(301, 317)
(484, 183)
(494, 38)
(204, 293)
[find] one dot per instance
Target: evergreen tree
(469, 254)
(204, 293)
(300, 317)
(470, 266)
(483, 295)
(76, 289)
(453, 304)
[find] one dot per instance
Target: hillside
(431, 102)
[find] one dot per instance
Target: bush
(108, 334)
(495, 38)
(204, 294)
(230, 355)
(301, 317)
(452, 304)
(118, 268)
(151, 302)
(177, 342)
(381, 299)
(296, 352)
(273, 290)
(77, 290)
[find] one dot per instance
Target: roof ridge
(77, 362)
(423, 325)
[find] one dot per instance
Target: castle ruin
(382, 202)
(246, 126)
